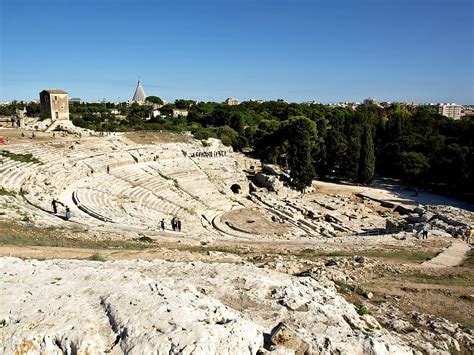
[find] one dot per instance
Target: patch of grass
(315, 253)
(4, 192)
(452, 279)
(17, 235)
(469, 261)
(339, 253)
(25, 158)
(166, 177)
(344, 287)
(401, 255)
(96, 257)
(145, 239)
(361, 309)
(200, 249)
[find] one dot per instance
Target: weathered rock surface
(141, 307)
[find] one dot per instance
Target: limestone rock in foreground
(142, 307)
(81, 307)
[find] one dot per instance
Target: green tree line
(417, 146)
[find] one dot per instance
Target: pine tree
(367, 157)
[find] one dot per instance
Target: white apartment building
(231, 101)
(179, 112)
(450, 110)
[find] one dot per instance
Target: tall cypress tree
(367, 157)
(352, 154)
(302, 134)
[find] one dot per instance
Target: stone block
(392, 225)
(284, 336)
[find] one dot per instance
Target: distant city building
(468, 111)
(139, 96)
(231, 101)
(152, 113)
(450, 110)
(179, 112)
(74, 101)
(370, 101)
(55, 103)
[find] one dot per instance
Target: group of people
(107, 134)
(66, 134)
(209, 154)
(175, 224)
(55, 204)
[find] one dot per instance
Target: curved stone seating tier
(148, 199)
(112, 160)
(193, 181)
(141, 208)
(14, 173)
(146, 204)
(148, 177)
(43, 153)
(58, 152)
(144, 184)
(100, 205)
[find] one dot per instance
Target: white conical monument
(139, 96)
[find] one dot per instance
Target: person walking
(55, 206)
(173, 223)
(469, 233)
(178, 224)
(162, 224)
(425, 230)
(68, 213)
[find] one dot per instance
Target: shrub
(4, 192)
(145, 239)
(96, 257)
(361, 309)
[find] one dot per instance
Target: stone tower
(55, 104)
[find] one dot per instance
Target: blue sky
(298, 50)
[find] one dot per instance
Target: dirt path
(452, 256)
